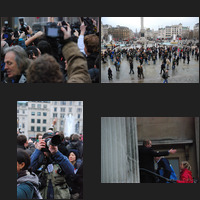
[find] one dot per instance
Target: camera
(50, 139)
(90, 28)
(24, 26)
(53, 31)
(7, 31)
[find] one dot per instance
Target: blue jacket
(58, 157)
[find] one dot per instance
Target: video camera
(53, 30)
(24, 26)
(7, 31)
(51, 139)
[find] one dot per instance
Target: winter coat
(185, 176)
(27, 186)
(53, 174)
(77, 70)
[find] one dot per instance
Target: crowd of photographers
(51, 167)
(59, 53)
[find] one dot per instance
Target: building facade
(37, 116)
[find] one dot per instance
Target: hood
(29, 177)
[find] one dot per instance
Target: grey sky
(150, 22)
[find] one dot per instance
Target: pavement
(183, 73)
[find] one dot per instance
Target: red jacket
(185, 176)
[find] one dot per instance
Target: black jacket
(146, 157)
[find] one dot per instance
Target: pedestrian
(188, 59)
(154, 59)
(165, 76)
(177, 60)
(162, 68)
(109, 74)
(131, 68)
(174, 63)
(140, 71)
(168, 63)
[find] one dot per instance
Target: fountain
(69, 127)
(174, 41)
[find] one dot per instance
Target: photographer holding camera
(52, 167)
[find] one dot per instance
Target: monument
(142, 30)
(142, 38)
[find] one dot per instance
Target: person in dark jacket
(52, 167)
(146, 160)
(27, 181)
(23, 143)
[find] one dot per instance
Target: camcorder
(7, 31)
(24, 27)
(52, 30)
(51, 139)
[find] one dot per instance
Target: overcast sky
(150, 22)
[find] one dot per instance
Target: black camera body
(51, 139)
(7, 31)
(89, 25)
(24, 26)
(52, 30)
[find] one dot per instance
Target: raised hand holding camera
(66, 32)
(40, 145)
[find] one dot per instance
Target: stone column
(119, 150)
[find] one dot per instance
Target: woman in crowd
(27, 181)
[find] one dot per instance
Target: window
(38, 121)
(54, 115)
(70, 103)
(44, 129)
(44, 114)
(63, 103)
(32, 105)
(38, 128)
(44, 121)
(32, 113)
(79, 109)
(38, 113)
(32, 120)
(62, 109)
(79, 116)
(70, 109)
(39, 106)
(62, 116)
(32, 128)
(44, 106)
(79, 103)
(55, 103)
(55, 109)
